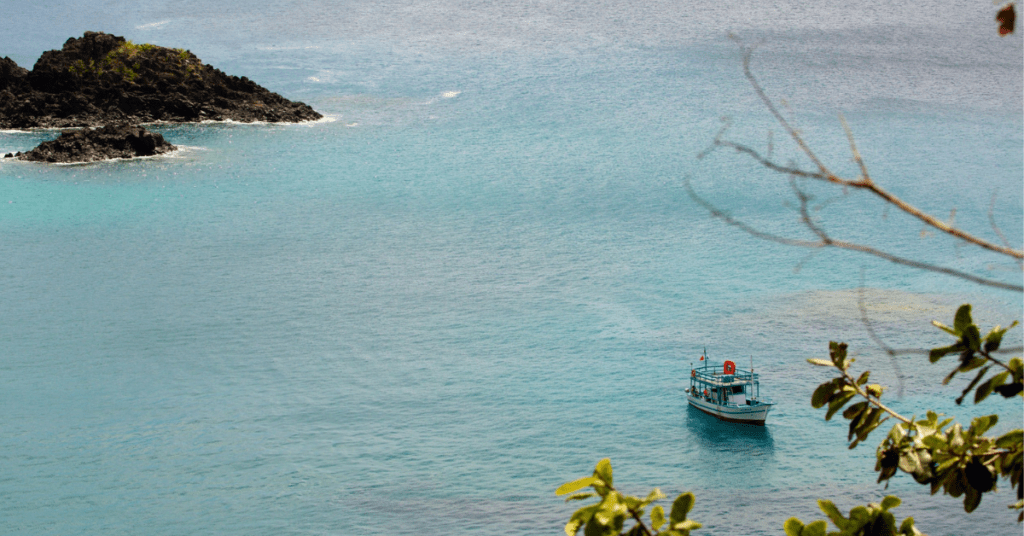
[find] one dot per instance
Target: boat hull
(741, 414)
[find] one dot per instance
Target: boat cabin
(724, 384)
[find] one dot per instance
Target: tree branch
(824, 174)
(827, 241)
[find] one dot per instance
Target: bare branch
(853, 150)
(716, 212)
(747, 53)
(827, 241)
(926, 266)
(824, 174)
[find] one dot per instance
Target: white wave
(442, 95)
(324, 119)
(153, 25)
(35, 130)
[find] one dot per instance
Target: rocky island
(100, 79)
(90, 145)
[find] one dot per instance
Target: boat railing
(719, 376)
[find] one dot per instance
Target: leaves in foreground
(613, 510)
(935, 451)
(871, 520)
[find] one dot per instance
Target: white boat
(727, 393)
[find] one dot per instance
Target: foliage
(935, 452)
(126, 61)
(873, 519)
(609, 515)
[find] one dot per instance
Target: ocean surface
(481, 273)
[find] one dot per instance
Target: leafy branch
(609, 515)
(948, 457)
(863, 521)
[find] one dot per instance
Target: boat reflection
(714, 435)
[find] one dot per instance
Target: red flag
(702, 358)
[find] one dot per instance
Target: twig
(827, 241)
(875, 401)
(824, 174)
(874, 336)
(995, 227)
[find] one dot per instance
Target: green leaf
(987, 386)
(938, 353)
(816, 528)
(579, 496)
(822, 394)
(890, 502)
(654, 495)
(980, 425)
(907, 527)
(793, 527)
(680, 507)
(854, 410)
(689, 524)
(972, 498)
(885, 523)
(657, 517)
(596, 528)
(994, 339)
(972, 364)
(934, 442)
(631, 502)
(603, 470)
(575, 485)
(833, 513)
(963, 319)
(837, 352)
(820, 362)
(859, 516)
(909, 462)
(945, 328)
(972, 338)
(1010, 439)
(579, 517)
(837, 403)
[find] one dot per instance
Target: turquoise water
(482, 273)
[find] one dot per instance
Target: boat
(727, 393)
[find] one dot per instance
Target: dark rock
(101, 78)
(90, 145)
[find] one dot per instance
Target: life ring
(693, 373)
(729, 367)
(705, 392)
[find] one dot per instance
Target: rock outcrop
(90, 145)
(101, 79)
